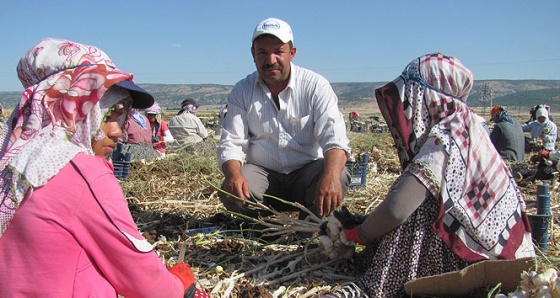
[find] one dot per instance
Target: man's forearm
(231, 167)
(335, 161)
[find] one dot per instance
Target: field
(179, 193)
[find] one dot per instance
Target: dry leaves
(177, 193)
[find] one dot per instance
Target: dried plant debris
(175, 204)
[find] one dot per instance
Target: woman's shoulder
(91, 167)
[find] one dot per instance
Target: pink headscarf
(482, 212)
(154, 109)
(57, 117)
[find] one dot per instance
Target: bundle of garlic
(533, 285)
(277, 223)
(335, 245)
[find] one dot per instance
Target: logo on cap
(270, 26)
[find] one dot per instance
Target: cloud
(175, 45)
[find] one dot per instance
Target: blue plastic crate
(121, 162)
(358, 172)
(121, 169)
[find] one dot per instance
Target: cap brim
(141, 99)
(283, 39)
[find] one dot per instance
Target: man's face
(272, 58)
(541, 119)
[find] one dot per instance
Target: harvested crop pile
(178, 193)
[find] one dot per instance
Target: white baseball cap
(274, 27)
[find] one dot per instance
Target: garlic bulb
(519, 293)
(540, 280)
(335, 249)
(550, 275)
(333, 227)
(526, 280)
(327, 245)
(543, 292)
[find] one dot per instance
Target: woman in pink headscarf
(456, 202)
(160, 131)
(65, 227)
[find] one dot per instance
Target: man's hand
(235, 183)
(328, 195)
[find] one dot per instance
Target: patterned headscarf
(502, 116)
(155, 109)
(59, 114)
(482, 212)
(189, 108)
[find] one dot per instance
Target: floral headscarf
(57, 117)
(189, 108)
(155, 109)
(502, 116)
(482, 213)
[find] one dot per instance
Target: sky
(208, 42)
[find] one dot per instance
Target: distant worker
(222, 115)
(137, 138)
(354, 116)
(542, 129)
(534, 109)
(547, 164)
(160, 131)
(354, 121)
(186, 127)
(507, 135)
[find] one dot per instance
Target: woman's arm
(106, 230)
(404, 198)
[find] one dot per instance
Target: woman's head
(75, 101)
(153, 113)
(542, 115)
(71, 86)
(189, 105)
(430, 88)
(499, 114)
(114, 118)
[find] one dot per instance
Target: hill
(521, 93)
